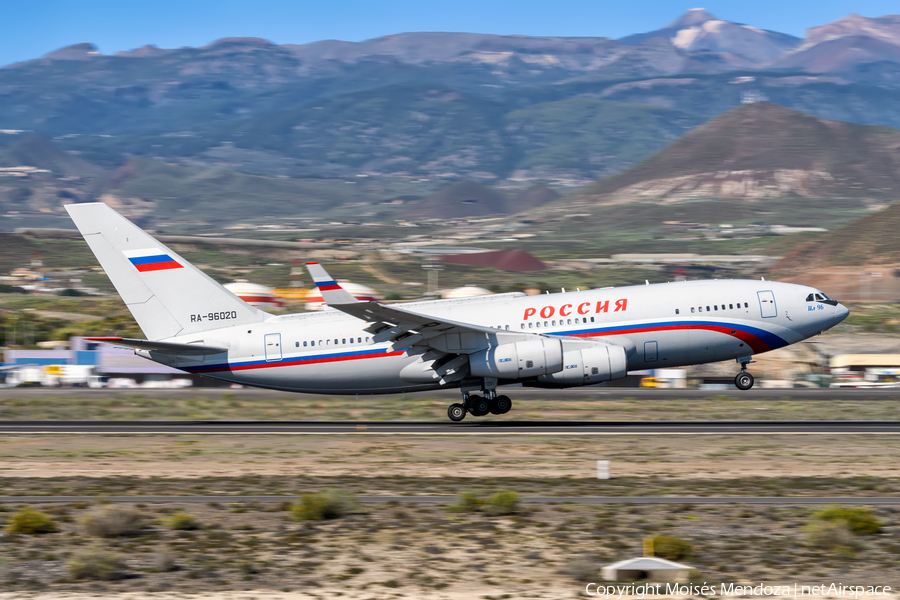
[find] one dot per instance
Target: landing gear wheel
(501, 405)
(456, 412)
(743, 381)
(479, 406)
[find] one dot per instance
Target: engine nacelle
(518, 360)
(588, 365)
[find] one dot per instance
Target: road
(470, 427)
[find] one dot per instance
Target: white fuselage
(660, 325)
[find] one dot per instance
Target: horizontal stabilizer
(164, 347)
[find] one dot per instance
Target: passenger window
(537, 324)
(746, 305)
(507, 327)
(715, 306)
(707, 309)
(313, 343)
(592, 319)
(523, 325)
(676, 311)
(700, 309)
(335, 342)
(529, 325)
(731, 306)
(545, 324)
(359, 340)
(529, 364)
(595, 371)
(692, 309)
(723, 307)
(576, 320)
(297, 344)
(569, 321)
(327, 342)
(554, 323)
(367, 340)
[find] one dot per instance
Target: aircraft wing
(163, 347)
(406, 329)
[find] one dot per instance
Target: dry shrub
(164, 560)
(832, 535)
(31, 522)
(113, 521)
(468, 502)
(583, 568)
(671, 548)
(182, 522)
(96, 564)
(332, 504)
(859, 521)
(504, 502)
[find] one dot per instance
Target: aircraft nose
(840, 313)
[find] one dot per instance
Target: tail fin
(167, 295)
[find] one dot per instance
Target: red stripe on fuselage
(756, 344)
(294, 362)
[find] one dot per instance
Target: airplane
(476, 344)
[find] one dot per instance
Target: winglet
(332, 292)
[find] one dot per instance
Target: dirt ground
(674, 457)
(406, 551)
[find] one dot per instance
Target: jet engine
(518, 360)
(586, 365)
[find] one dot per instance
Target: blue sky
(33, 28)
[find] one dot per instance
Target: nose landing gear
(744, 380)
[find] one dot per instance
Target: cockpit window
(810, 298)
(820, 297)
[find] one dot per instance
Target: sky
(35, 27)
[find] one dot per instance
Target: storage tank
(359, 291)
(465, 292)
(260, 296)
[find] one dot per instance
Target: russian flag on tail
(151, 259)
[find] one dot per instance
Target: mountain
(845, 44)
(462, 199)
(403, 115)
(536, 195)
(870, 240)
(37, 151)
(761, 151)
(737, 45)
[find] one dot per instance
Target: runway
(767, 500)
(590, 393)
(489, 426)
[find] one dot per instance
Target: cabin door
(767, 306)
(273, 347)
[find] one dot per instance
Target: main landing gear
(744, 380)
(479, 406)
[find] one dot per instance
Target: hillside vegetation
(762, 151)
(872, 239)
